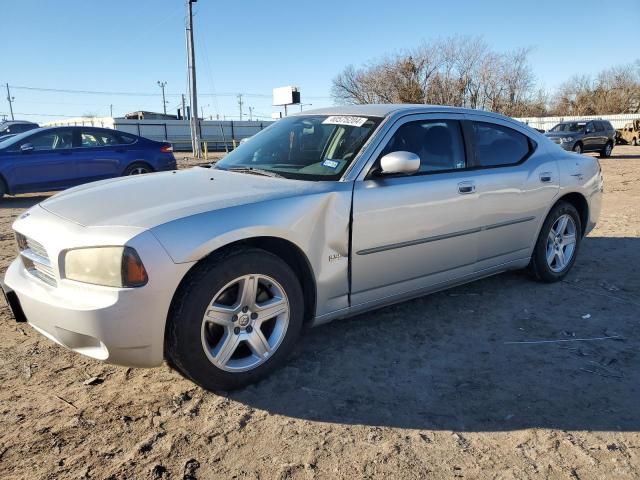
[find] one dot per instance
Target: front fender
(316, 223)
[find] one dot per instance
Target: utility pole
(191, 62)
(111, 110)
(10, 99)
(240, 103)
(250, 114)
(184, 109)
(164, 102)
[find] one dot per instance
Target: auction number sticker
(345, 120)
(331, 164)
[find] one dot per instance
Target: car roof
(384, 110)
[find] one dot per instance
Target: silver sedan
(321, 216)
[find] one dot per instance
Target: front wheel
(557, 246)
(606, 151)
(577, 148)
(235, 319)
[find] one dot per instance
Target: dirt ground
(430, 388)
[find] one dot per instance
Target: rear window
(496, 145)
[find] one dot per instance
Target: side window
(52, 140)
(438, 143)
(590, 127)
(125, 139)
(599, 126)
(496, 145)
(98, 138)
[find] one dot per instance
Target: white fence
(217, 133)
(547, 123)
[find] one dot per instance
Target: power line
(146, 94)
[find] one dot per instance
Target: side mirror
(399, 162)
(26, 147)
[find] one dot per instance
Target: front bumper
(114, 325)
(124, 326)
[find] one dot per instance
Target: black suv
(12, 127)
(584, 136)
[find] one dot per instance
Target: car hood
(146, 201)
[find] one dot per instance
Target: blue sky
(252, 46)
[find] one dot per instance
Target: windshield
(317, 147)
(569, 127)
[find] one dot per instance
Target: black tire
(538, 265)
(183, 342)
(577, 148)
(606, 151)
(3, 188)
(137, 168)
(634, 142)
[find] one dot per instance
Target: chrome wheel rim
(608, 149)
(561, 243)
(245, 323)
(138, 171)
(577, 149)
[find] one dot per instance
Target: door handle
(545, 177)
(466, 187)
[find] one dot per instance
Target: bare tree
(464, 71)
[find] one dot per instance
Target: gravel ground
(428, 388)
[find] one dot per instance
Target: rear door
(99, 154)
(414, 232)
(516, 182)
(46, 164)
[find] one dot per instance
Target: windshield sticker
(345, 120)
(331, 163)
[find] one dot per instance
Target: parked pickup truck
(630, 134)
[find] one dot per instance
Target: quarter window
(96, 138)
(497, 145)
(438, 143)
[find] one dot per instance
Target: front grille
(36, 260)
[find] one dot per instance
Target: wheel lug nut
(234, 318)
(236, 330)
(245, 309)
(249, 329)
(254, 315)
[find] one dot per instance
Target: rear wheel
(577, 148)
(634, 142)
(235, 319)
(606, 151)
(557, 246)
(3, 188)
(137, 168)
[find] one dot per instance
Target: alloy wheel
(139, 171)
(245, 323)
(561, 243)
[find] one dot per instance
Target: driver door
(413, 233)
(44, 161)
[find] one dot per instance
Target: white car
(321, 216)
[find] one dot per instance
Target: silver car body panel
(369, 242)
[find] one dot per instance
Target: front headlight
(107, 266)
(567, 139)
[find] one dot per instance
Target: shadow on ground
(442, 361)
(22, 201)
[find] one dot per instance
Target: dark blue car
(56, 158)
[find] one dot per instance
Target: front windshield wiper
(256, 171)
